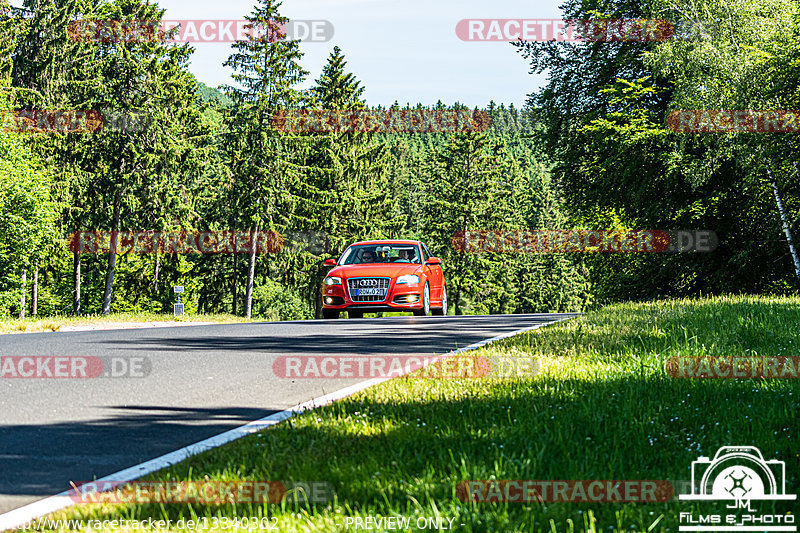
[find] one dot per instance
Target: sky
(404, 50)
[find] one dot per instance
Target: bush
(273, 301)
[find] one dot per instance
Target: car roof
(387, 241)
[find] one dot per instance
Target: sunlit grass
(601, 407)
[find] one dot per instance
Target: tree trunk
(76, 287)
(35, 295)
(112, 258)
(112, 263)
(785, 223)
(251, 274)
(319, 279)
(22, 294)
(235, 281)
(155, 274)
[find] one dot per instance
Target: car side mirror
(330, 263)
(433, 261)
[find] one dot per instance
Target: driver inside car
(404, 256)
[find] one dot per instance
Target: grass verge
(601, 408)
(35, 325)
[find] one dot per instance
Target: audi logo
(368, 283)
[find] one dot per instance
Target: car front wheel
(426, 302)
(330, 313)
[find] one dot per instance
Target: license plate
(370, 292)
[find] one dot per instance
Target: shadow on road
(37, 459)
(367, 336)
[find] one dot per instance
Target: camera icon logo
(738, 473)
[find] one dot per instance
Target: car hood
(391, 270)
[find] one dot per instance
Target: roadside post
(177, 308)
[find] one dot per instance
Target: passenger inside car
(404, 256)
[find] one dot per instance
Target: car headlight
(333, 280)
(410, 279)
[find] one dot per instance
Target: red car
(373, 276)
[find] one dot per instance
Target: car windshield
(380, 253)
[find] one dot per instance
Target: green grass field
(601, 408)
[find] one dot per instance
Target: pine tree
(146, 154)
(45, 52)
(267, 70)
(349, 171)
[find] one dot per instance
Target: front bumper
(397, 299)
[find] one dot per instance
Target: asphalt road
(201, 381)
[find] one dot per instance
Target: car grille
(368, 283)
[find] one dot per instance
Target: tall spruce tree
(267, 71)
(353, 201)
(147, 151)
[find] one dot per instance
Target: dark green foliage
(604, 111)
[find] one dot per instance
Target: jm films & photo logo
(744, 481)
